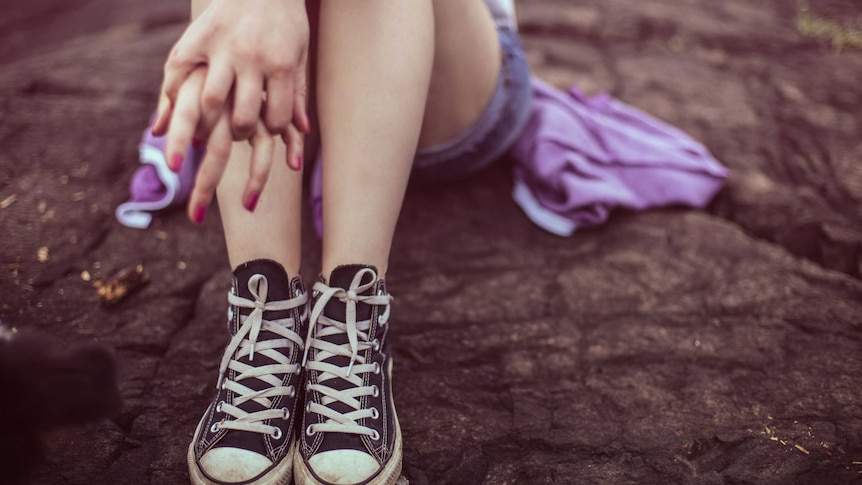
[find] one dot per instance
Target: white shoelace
(358, 340)
(245, 344)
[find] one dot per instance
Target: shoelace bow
(347, 422)
(245, 343)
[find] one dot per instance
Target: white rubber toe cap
(343, 467)
(233, 465)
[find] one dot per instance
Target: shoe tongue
(278, 283)
(342, 277)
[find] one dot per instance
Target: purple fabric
(154, 186)
(581, 157)
(148, 186)
(315, 198)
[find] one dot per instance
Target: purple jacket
(579, 158)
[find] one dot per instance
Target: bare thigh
(466, 68)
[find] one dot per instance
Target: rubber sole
(279, 475)
(388, 476)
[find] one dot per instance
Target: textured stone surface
(668, 347)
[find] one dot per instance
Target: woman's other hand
(255, 55)
(219, 145)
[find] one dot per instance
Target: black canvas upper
(381, 449)
(280, 287)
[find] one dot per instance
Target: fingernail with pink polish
(200, 213)
(299, 163)
(176, 162)
(251, 205)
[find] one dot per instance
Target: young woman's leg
(272, 230)
(246, 434)
(377, 61)
(374, 69)
(388, 73)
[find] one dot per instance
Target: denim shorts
(496, 129)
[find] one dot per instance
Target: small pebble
(8, 201)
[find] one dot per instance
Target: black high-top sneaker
(350, 433)
(246, 436)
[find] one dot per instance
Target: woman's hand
(219, 145)
(255, 56)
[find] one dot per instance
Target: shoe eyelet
(309, 431)
(292, 392)
(218, 406)
(308, 407)
(215, 428)
(285, 413)
(375, 344)
(375, 413)
(376, 368)
(276, 435)
(375, 391)
(375, 435)
(297, 371)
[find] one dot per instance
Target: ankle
(331, 263)
(291, 265)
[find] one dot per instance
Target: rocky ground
(668, 347)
